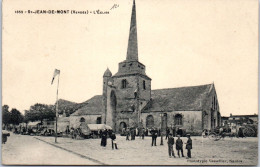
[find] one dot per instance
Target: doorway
(122, 126)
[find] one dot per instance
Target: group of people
(179, 143)
(132, 132)
(179, 146)
(104, 134)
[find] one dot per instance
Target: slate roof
(65, 103)
(107, 73)
(91, 107)
(179, 99)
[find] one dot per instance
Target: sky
(181, 42)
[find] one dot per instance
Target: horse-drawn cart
(220, 133)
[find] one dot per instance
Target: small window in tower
(144, 85)
(124, 83)
(123, 65)
(130, 64)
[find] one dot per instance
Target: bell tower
(107, 77)
(133, 86)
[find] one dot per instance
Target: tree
(16, 117)
(6, 115)
(39, 112)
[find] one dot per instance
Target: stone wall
(125, 99)
(191, 120)
(211, 108)
(131, 87)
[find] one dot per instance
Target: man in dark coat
(104, 138)
(170, 146)
(113, 140)
(132, 131)
(179, 146)
(142, 133)
(127, 133)
(109, 132)
(154, 133)
(167, 133)
(189, 146)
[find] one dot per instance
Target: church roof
(179, 99)
(91, 107)
(107, 73)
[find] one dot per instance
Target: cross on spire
(132, 49)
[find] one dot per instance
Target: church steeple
(132, 49)
(131, 66)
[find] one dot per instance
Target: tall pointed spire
(132, 50)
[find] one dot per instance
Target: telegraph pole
(57, 107)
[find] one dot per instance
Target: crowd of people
(131, 133)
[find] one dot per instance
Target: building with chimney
(128, 101)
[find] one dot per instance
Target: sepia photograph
(130, 82)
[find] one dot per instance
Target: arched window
(149, 121)
(144, 85)
(178, 119)
(124, 83)
(82, 119)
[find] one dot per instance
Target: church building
(128, 101)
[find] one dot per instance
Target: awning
(33, 123)
(96, 127)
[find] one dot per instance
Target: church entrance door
(122, 126)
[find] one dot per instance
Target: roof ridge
(89, 99)
(66, 100)
(183, 87)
